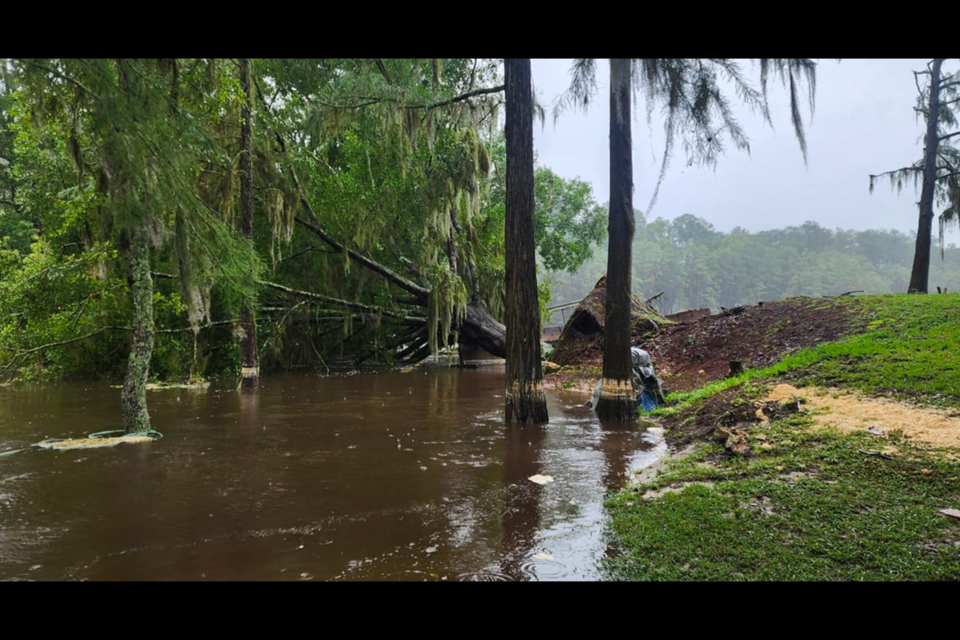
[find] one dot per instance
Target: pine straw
(91, 443)
(850, 412)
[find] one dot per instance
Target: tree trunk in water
(920, 275)
(618, 401)
(250, 365)
(133, 398)
(525, 399)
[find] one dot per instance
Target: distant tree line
(696, 266)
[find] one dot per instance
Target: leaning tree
(385, 169)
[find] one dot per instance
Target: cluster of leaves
(694, 97)
(396, 181)
(102, 150)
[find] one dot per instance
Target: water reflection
(521, 512)
(365, 477)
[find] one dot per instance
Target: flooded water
(384, 476)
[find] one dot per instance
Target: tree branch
(383, 70)
(403, 318)
(368, 101)
(461, 97)
(411, 287)
(949, 135)
(422, 293)
(305, 251)
(916, 81)
(64, 343)
(895, 171)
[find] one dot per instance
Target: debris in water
(541, 479)
(951, 513)
(92, 443)
(542, 556)
(431, 549)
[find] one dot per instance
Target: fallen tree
(582, 335)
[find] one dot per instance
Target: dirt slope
(689, 354)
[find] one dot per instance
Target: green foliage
(102, 147)
(568, 221)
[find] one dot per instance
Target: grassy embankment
(812, 503)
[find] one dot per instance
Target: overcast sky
(863, 123)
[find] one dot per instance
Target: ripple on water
(484, 575)
(541, 569)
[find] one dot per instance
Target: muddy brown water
(374, 476)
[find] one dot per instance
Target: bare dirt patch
(849, 412)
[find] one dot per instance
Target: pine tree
(938, 171)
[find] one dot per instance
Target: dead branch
(364, 308)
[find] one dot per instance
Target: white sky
(863, 123)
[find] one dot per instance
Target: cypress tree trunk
(920, 275)
(133, 398)
(248, 346)
(525, 399)
(618, 402)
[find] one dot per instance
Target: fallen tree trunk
(483, 330)
(420, 293)
(479, 326)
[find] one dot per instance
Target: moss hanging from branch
(446, 309)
